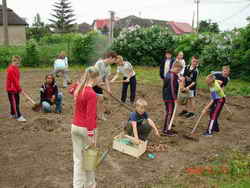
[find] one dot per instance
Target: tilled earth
(38, 154)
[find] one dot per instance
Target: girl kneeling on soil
(129, 78)
(215, 105)
(49, 95)
(84, 126)
(136, 126)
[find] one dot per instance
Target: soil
(38, 154)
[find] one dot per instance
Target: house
(84, 28)
(101, 24)
(180, 28)
(16, 28)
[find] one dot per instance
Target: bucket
(183, 98)
(90, 158)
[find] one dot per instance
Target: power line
(235, 14)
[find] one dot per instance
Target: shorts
(191, 93)
(98, 90)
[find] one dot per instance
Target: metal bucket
(90, 158)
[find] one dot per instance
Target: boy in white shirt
(129, 78)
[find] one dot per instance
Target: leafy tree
(209, 26)
(63, 17)
(38, 29)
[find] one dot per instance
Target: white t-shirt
(126, 69)
(103, 68)
(183, 66)
(167, 66)
(61, 64)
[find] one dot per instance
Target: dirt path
(38, 154)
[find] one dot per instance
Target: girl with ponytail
(84, 126)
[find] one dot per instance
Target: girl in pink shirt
(83, 127)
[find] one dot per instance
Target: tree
(63, 17)
(37, 21)
(248, 19)
(38, 29)
(208, 26)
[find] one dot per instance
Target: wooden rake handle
(116, 99)
(197, 123)
(28, 97)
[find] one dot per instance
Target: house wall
(17, 35)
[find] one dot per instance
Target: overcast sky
(229, 13)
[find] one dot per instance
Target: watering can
(92, 157)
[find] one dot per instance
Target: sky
(228, 13)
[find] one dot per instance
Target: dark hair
(53, 78)
(168, 52)
(110, 54)
(196, 57)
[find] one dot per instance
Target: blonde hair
(119, 58)
(90, 74)
(212, 77)
(181, 53)
(141, 103)
(16, 59)
(226, 67)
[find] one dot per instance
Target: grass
(150, 75)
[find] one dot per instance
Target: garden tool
(191, 136)
(35, 106)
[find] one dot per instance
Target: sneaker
(168, 133)
(21, 119)
(12, 117)
(216, 130)
(183, 113)
(189, 114)
(207, 134)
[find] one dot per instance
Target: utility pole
(5, 22)
(193, 20)
(198, 7)
(111, 28)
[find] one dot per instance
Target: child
(215, 105)
(129, 77)
(191, 75)
(170, 94)
(103, 66)
(223, 76)
(136, 126)
(166, 64)
(84, 126)
(14, 89)
(49, 95)
(180, 59)
(61, 65)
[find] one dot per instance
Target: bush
(32, 55)
(7, 52)
(86, 49)
(144, 46)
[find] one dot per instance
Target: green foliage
(208, 26)
(86, 49)
(145, 46)
(7, 52)
(32, 55)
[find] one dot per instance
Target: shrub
(86, 49)
(32, 56)
(7, 52)
(144, 46)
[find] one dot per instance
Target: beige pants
(65, 75)
(81, 178)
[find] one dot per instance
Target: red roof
(101, 23)
(180, 27)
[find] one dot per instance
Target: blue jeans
(46, 106)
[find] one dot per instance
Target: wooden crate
(131, 149)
